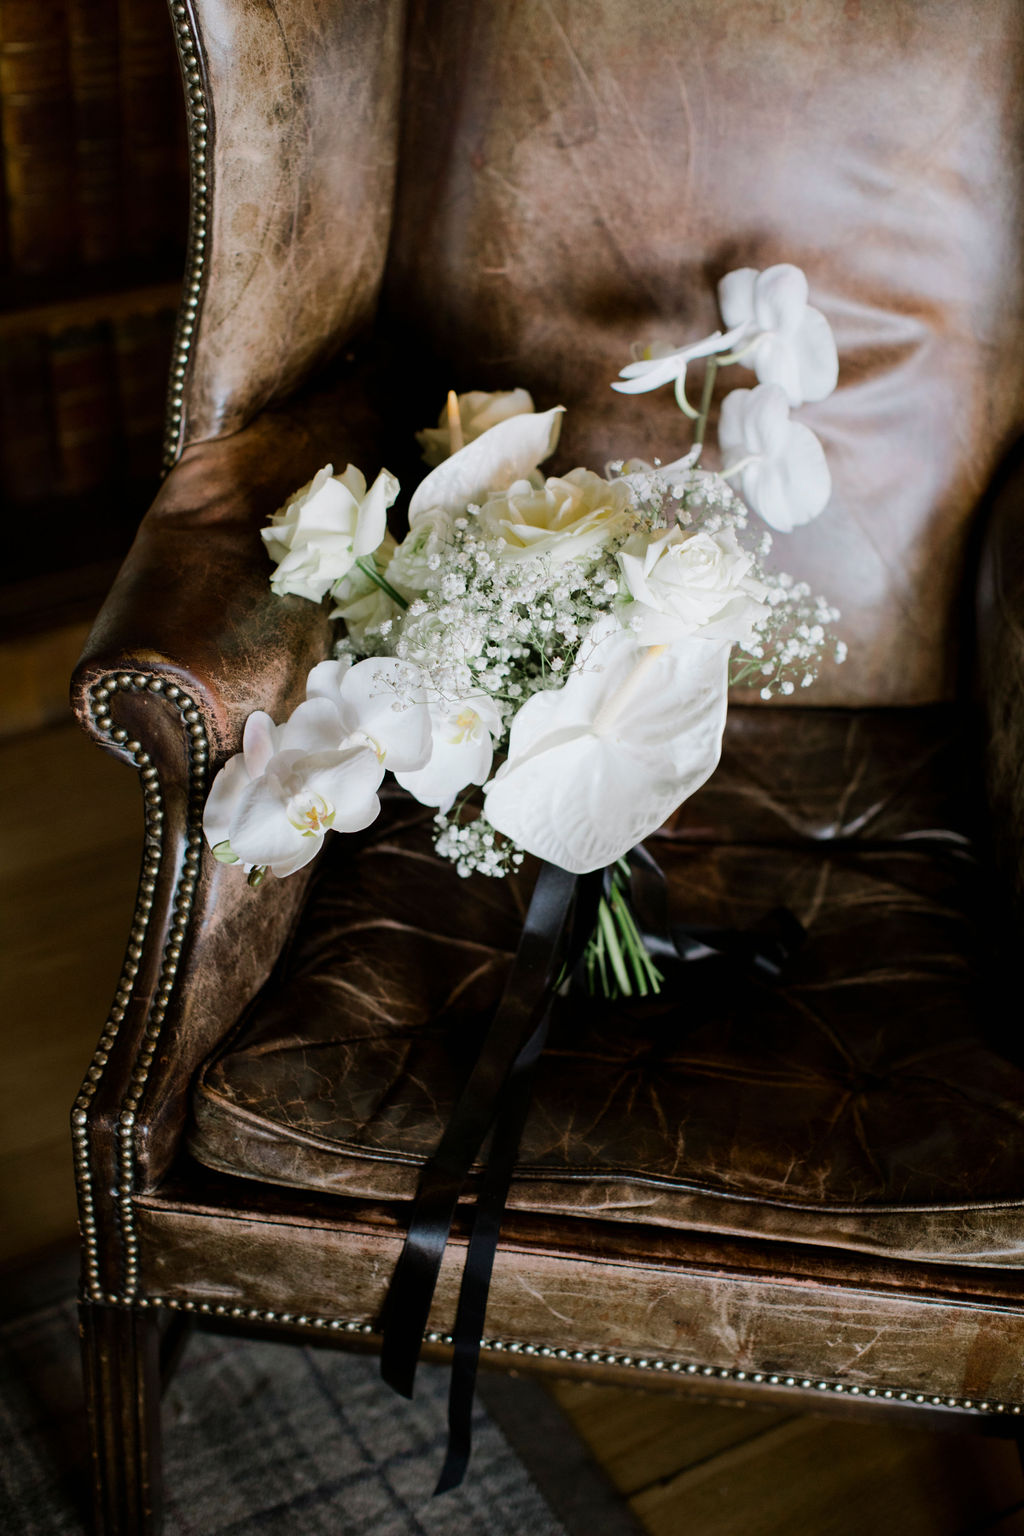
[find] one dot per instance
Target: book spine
(85, 407)
(142, 346)
(37, 126)
(93, 39)
(29, 461)
(154, 160)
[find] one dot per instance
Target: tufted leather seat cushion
(866, 1102)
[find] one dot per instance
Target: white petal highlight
(599, 764)
(506, 452)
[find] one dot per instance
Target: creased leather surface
(574, 177)
(584, 1287)
(303, 122)
(859, 1104)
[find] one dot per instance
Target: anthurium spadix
(275, 801)
(506, 452)
(597, 765)
(782, 337)
(778, 465)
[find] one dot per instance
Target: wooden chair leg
(121, 1365)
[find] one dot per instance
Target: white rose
(566, 518)
(361, 601)
(685, 583)
(427, 541)
(325, 527)
(478, 411)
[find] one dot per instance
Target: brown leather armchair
(815, 1188)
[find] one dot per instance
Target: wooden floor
(70, 825)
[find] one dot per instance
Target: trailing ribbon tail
(525, 998)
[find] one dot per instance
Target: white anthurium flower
(779, 464)
(316, 538)
(478, 411)
(274, 802)
(784, 339)
(566, 518)
(691, 582)
(508, 451)
(380, 702)
(463, 747)
(670, 367)
(597, 765)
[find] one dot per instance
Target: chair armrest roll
(191, 641)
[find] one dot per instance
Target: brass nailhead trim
(578, 1356)
(197, 112)
(184, 895)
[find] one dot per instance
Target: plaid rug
(272, 1437)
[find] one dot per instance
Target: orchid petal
(651, 373)
(452, 767)
(314, 726)
(780, 298)
(508, 451)
(818, 358)
(225, 793)
(775, 361)
(384, 698)
(259, 742)
(260, 831)
(736, 296)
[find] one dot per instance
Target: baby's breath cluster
(475, 848)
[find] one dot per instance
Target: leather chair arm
(1000, 668)
(190, 641)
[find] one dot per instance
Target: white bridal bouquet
(545, 662)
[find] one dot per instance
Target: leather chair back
(577, 174)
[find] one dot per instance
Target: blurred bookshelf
(93, 220)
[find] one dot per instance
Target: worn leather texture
(862, 1102)
(739, 1184)
(595, 1286)
(577, 177)
(302, 123)
(572, 178)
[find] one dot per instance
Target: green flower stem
(611, 940)
(368, 568)
(710, 373)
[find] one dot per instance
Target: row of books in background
(82, 396)
(94, 164)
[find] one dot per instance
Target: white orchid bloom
(478, 410)
(462, 750)
(691, 582)
(274, 802)
(317, 536)
(380, 702)
(508, 451)
(783, 338)
(652, 372)
(779, 463)
(597, 765)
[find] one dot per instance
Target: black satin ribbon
(525, 999)
(493, 1197)
(497, 1097)
(766, 949)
